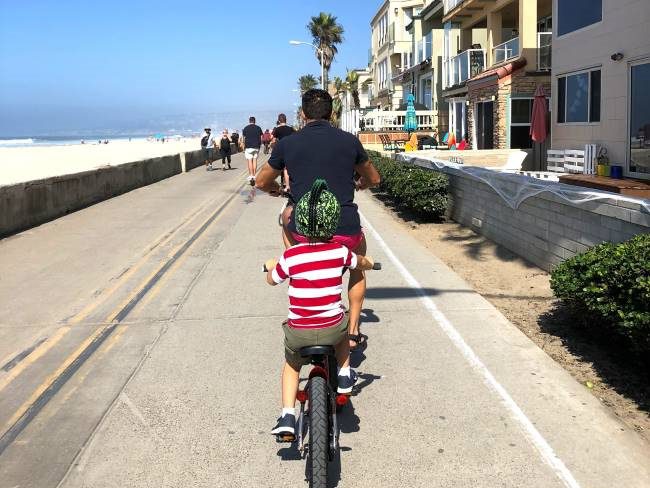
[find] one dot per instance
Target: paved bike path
(451, 394)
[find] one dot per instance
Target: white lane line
(533, 435)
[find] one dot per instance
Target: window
(579, 97)
(640, 119)
(576, 14)
(382, 28)
(521, 110)
(425, 91)
(383, 74)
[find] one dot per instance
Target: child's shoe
(286, 427)
(347, 382)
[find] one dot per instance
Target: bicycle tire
(318, 432)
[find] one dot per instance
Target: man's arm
(368, 175)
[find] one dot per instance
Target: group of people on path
(253, 138)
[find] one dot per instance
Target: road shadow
(608, 354)
(404, 214)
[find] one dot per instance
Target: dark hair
(282, 119)
(317, 104)
(251, 120)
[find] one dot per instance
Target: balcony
(451, 4)
(505, 51)
(464, 66)
(544, 46)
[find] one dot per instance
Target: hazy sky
(67, 65)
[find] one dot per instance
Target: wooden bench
(626, 186)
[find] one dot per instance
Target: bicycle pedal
(282, 438)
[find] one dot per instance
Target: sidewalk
(451, 394)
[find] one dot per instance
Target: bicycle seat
(308, 351)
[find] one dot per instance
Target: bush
(418, 190)
(609, 287)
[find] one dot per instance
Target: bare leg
(290, 380)
(356, 293)
(254, 166)
(343, 354)
(251, 171)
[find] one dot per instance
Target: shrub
(418, 190)
(609, 287)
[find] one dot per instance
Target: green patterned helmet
(318, 212)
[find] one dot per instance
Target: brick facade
(519, 83)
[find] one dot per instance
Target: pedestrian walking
(235, 140)
(252, 135)
(207, 145)
(266, 140)
(281, 131)
(225, 150)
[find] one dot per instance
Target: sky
(68, 66)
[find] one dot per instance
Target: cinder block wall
(545, 229)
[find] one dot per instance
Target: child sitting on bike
(316, 314)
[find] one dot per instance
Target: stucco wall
(625, 29)
(544, 229)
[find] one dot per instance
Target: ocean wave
(13, 142)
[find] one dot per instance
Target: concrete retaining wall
(544, 229)
(31, 203)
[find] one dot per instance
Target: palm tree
(352, 80)
(339, 84)
(307, 82)
(327, 33)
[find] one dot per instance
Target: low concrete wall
(544, 228)
(25, 205)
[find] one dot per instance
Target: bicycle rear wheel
(318, 432)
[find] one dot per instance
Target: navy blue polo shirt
(322, 151)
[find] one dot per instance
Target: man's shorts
(251, 152)
(295, 339)
(208, 153)
(351, 242)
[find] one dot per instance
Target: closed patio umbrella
(538, 118)
(411, 122)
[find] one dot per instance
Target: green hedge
(608, 286)
(418, 190)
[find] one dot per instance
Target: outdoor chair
(390, 145)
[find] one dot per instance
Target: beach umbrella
(538, 118)
(158, 136)
(411, 121)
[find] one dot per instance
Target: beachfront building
(391, 51)
(423, 75)
(601, 79)
(495, 54)
(352, 110)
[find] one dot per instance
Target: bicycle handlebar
(375, 267)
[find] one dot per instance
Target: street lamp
(320, 51)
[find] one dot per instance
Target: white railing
(464, 66)
(383, 121)
(544, 48)
(506, 50)
(350, 121)
(450, 4)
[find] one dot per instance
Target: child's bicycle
(319, 404)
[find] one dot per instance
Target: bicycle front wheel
(318, 432)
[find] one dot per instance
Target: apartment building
(391, 51)
(422, 76)
(495, 54)
(601, 79)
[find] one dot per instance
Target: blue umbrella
(411, 122)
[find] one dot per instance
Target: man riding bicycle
(322, 151)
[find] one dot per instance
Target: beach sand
(20, 164)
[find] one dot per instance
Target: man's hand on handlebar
(366, 263)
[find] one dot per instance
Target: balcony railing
(464, 66)
(544, 49)
(383, 121)
(505, 51)
(450, 4)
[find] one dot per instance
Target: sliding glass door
(639, 122)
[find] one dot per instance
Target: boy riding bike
(316, 315)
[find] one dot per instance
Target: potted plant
(602, 163)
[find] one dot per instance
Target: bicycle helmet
(318, 212)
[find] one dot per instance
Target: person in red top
(316, 314)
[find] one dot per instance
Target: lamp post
(320, 51)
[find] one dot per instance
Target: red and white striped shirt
(315, 272)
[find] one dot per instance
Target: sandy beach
(19, 164)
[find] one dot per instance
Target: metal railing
(544, 48)
(506, 50)
(464, 66)
(381, 120)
